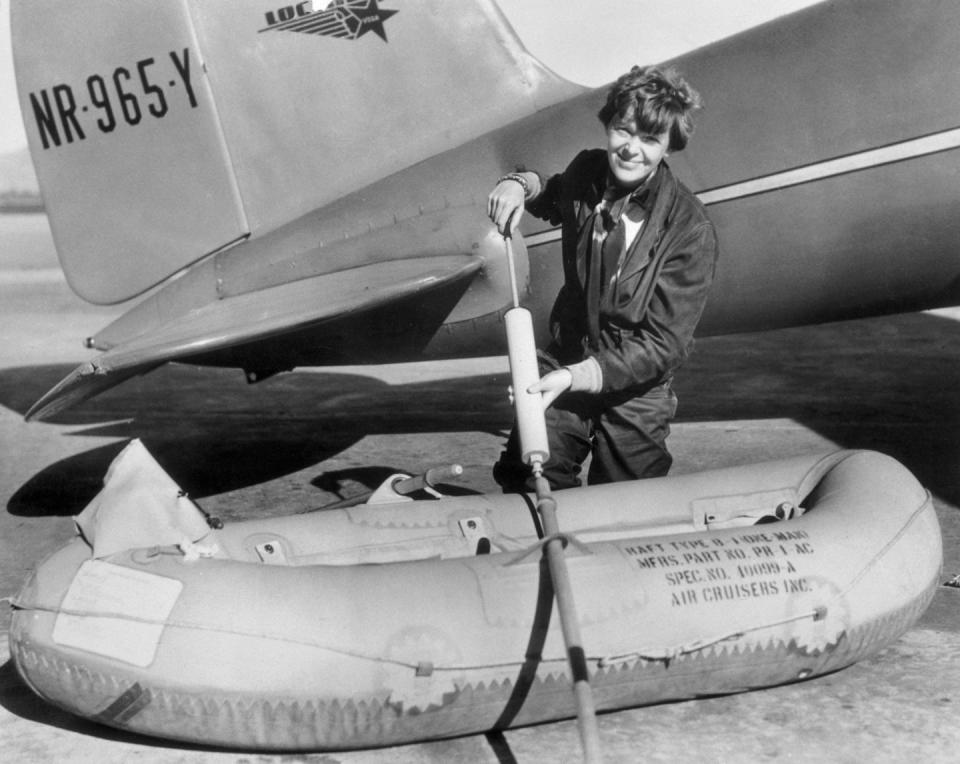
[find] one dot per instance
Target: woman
(639, 255)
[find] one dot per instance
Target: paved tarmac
(309, 437)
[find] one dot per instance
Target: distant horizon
(554, 36)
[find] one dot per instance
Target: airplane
(288, 185)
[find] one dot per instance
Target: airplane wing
(401, 298)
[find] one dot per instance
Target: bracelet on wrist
(516, 178)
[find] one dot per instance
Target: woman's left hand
(552, 385)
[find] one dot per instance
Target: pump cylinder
(524, 371)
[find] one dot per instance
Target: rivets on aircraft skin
(218, 269)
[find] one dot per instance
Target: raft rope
(897, 536)
(540, 545)
(817, 614)
(662, 655)
(651, 655)
(669, 654)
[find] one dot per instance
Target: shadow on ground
(213, 433)
(890, 384)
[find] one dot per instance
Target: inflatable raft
(378, 625)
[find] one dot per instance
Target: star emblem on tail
(346, 19)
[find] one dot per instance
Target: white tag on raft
(115, 611)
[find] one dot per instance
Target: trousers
(626, 435)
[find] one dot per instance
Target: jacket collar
(659, 191)
(645, 194)
(662, 201)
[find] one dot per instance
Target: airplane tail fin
(163, 132)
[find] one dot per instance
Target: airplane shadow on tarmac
(890, 384)
(213, 433)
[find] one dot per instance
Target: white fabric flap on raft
(139, 506)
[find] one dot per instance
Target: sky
(553, 30)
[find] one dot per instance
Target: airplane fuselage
(830, 175)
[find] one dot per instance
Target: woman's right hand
(505, 206)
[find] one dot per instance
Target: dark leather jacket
(648, 317)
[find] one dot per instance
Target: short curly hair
(659, 99)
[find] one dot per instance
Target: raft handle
(398, 488)
(474, 530)
(744, 511)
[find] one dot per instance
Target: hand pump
(532, 429)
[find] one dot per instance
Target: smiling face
(633, 154)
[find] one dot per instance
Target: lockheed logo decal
(347, 19)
